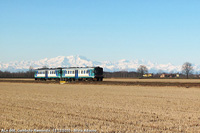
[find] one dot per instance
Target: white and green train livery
(69, 73)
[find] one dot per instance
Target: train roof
(64, 68)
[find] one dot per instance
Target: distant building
(164, 75)
(148, 75)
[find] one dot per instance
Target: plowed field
(101, 108)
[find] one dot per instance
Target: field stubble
(99, 107)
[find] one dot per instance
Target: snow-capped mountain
(80, 61)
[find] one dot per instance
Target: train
(70, 74)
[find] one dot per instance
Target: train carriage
(47, 74)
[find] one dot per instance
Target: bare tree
(31, 69)
(160, 71)
(142, 70)
(44, 67)
(187, 69)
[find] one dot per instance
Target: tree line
(7, 74)
(187, 72)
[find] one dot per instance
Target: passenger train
(70, 73)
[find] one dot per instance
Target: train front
(98, 72)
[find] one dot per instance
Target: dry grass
(153, 80)
(99, 107)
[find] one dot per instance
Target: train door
(76, 74)
(46, 74)
(91, 72)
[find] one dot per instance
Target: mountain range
(81, 61)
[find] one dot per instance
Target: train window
(72, 72)
(68, 72)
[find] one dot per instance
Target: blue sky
(161, 31)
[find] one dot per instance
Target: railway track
(121, 83)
